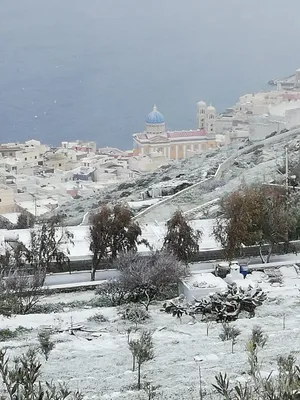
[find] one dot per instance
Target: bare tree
(22, 380)
(112, 232)
(147, 278)
(181, 239)
(24, 266)
(19, 291)
(49, 245)
(142, 351)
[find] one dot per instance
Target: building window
(35, 157)
(25, 158)
(59, 164)
(10, 154)
(0, 200)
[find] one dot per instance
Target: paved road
(83, 277)
(78, 277)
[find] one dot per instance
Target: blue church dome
(155, 117)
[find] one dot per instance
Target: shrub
(22, 380)
(45, 342)
(230, 332)
(113, 292)
(97, 318)
(7, 334)
(134, 313)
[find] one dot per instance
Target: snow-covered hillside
(241, 162)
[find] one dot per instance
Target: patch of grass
(48, 308)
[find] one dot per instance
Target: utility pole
(198, 361)
(286, 170)
(287, 193)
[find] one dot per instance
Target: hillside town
(169, 271)
(38, 178)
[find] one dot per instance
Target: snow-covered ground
(153, 232)
(100, 363)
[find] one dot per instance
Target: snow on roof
(34, 208)
(282, 108)
(12, 217)
(205, 280)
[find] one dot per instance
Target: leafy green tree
(25, 220)
(113, 231)
(181, 239)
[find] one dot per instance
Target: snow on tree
(222, 307)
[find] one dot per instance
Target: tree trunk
(148, 301)
(261, 256)
(269, 253)
(93, 272)
(133, 363)
(139, 377)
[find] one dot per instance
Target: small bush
(228, 332)
(134, 313)
(45, 342)
(113, 293)
(7, 334)
(97, 318)
(49, 308)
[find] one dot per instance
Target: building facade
(7, 201)
(175, 145)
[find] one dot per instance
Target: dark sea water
(92, 69)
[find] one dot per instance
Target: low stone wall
(251, 251)
(206, 255)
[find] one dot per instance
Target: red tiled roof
(179, 135)
(291, 96)
(186, 134)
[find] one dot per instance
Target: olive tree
(142, 351)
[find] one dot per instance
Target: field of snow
(99, 362)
